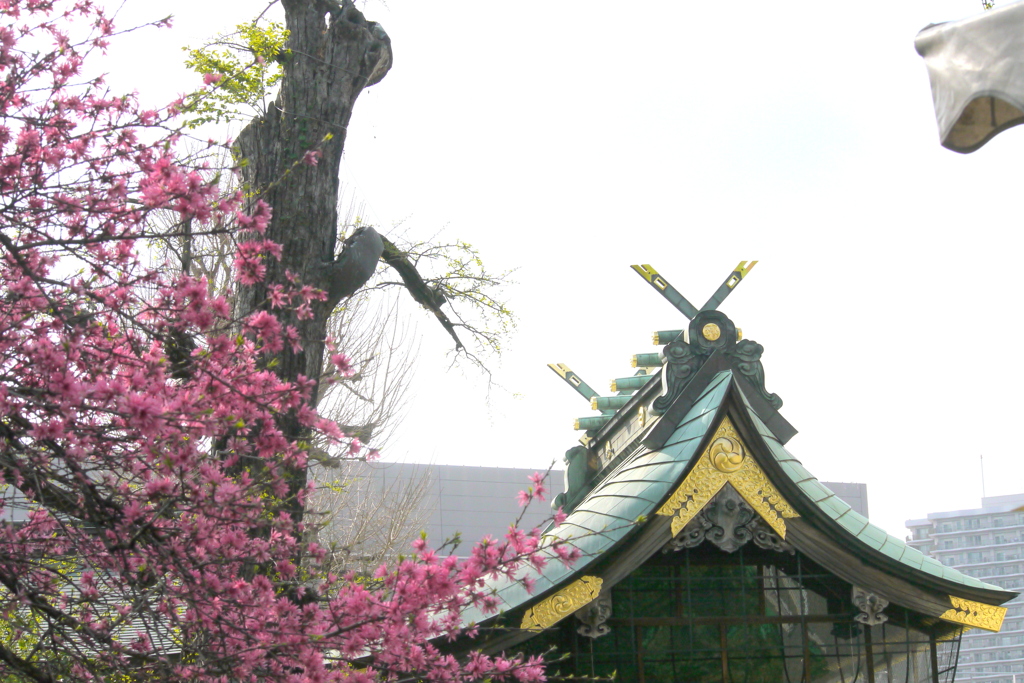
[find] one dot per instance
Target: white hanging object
(976, 68)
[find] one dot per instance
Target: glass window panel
(619, 642)
(656, 641)
(692, 669)
(654, 598)
(699, 640)
(782, 618)
(766, 669)
(837, 652)
(696, 654)
(661, 669)
(901, 654)
(763, 653)
(624, 670)
(707, 592)
(611, 653)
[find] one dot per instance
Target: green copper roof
(645, 478)
(629, 463)
(855, 523)
(628, 493)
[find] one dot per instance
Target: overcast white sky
(570, 140)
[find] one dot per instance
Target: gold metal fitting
(615, 385)
(741, 272)
(712, 332)
(576, 424)
(654, 338)
(739, 334)
(633, 362)
(726, 454)
(561, 368)
(743, 268)
(593, 403)
(646, 271)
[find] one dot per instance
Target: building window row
(969, 524)
(990, 547)
(1005, 570)
(958, 559)
(979, 541)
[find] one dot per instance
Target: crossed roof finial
(689, 358)
(662, 286)
(656, 280)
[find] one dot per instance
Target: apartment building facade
(986, 543)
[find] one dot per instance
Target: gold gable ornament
(553, 609)
(970, 613)
(727, 459)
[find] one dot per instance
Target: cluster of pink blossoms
(139, 421)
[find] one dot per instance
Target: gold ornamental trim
(727, 459)
(552, 610)
(970, 613)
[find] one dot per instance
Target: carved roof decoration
(647, 405)
(697, 451)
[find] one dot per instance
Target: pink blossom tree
(157, 435)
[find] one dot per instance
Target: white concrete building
(987, 543)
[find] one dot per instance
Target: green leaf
(249, 63)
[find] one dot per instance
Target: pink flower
(170, 428)
(268, 330)
(144, 413)
(566, 554)
(159, 487)
(249, 270)
(538, 484)
(342, 364)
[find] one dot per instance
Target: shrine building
(710, 555)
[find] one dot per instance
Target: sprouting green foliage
(465, 278)
(19, 632)
(22, 628)
(248, 63)
(471, 295)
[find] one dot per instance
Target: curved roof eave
(857, 527)
(607, 515)
(626, 499)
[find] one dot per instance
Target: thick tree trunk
(332, 54)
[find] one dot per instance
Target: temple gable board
(709, 554)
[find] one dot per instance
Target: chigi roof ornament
(655, 279)
(645, 410)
